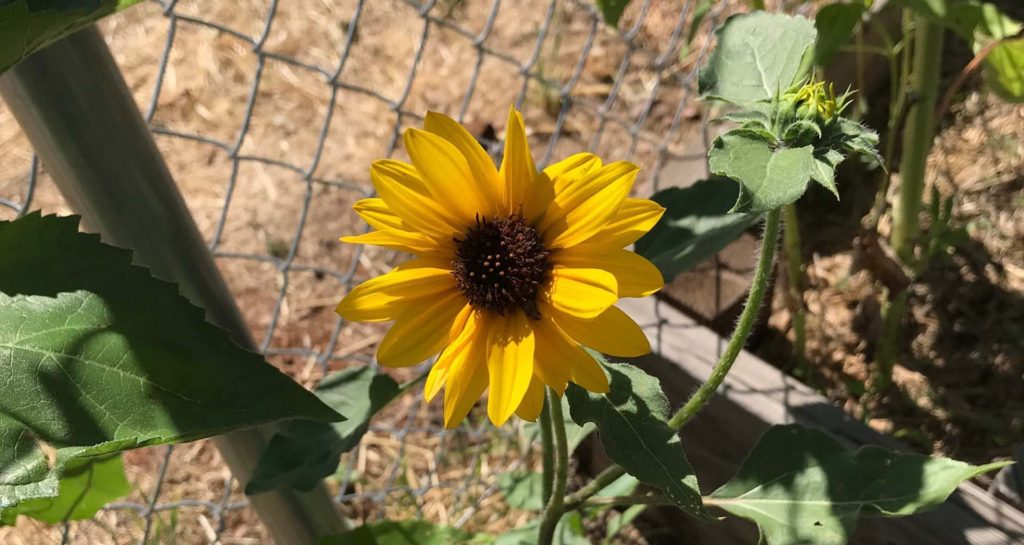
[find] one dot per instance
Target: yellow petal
(419, 211)
(584, 293)
(452, 353)
(435, 380)
(421, 330)
(571, 168)
(585, 206)
(510, 345)
(404, 241)
(635, 276)
(590, 375)
(467, 375)
(527, 191)
(376, 213)
(447, 175)
(613, 332)
(480, 164)
(385, 297)
(555, 354)
(633, 219)
(533, 402)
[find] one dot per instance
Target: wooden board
(754, 396)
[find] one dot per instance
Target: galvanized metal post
(77, 111)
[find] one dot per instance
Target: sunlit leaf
(759, 56)
(696, 225)
(802, 487)
(632, 423)
(98, 356)
(306, 451)
(768, 177)
(85, 487)
(569, 531)
(28, 25)
(1004, 70)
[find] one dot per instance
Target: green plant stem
(900, 60)
(762, 274)
(758, 288)
(556, 504)
(636, 499)
(795, 276)
(888, 349)
(548, 452)
(917, 137)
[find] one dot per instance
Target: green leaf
(802, 487)
(29, 25)
(696, 225)
(612, 10)
(569, 531)
(1004, 70)
(307, 451)
(759, 56)
(632, 422)
(978, 23)
(574, 434)
(406, 532)
(522, 489)
(84, 489)
(98, 356)
(769, 177)
(835, 24)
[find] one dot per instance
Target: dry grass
(205, 91)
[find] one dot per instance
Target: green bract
(790, 130)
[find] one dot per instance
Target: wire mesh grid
(624, 93)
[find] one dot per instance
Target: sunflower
(516, 270)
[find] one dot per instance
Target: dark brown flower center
(501, 264)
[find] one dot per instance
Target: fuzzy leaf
(759, 56)
(306, 451)
(27, 25)
(696, 225)
(522, 489)
(632, 423)
(802, 487)
(1004, 70)
(568, 531)
(98, 356)
(835, 24)
(574, 434)
(768, 178)
(84, 489)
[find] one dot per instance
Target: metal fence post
(78, 113)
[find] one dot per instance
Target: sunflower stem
(762, 276)
(556, 504)
(547, 453)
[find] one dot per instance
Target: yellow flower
(515, 269)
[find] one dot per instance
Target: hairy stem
(556, 504)
(762, 275)
(795, 285)
(917, 138)
(548, 452)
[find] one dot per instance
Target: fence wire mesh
(269, 114)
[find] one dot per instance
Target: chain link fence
(269, 113)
